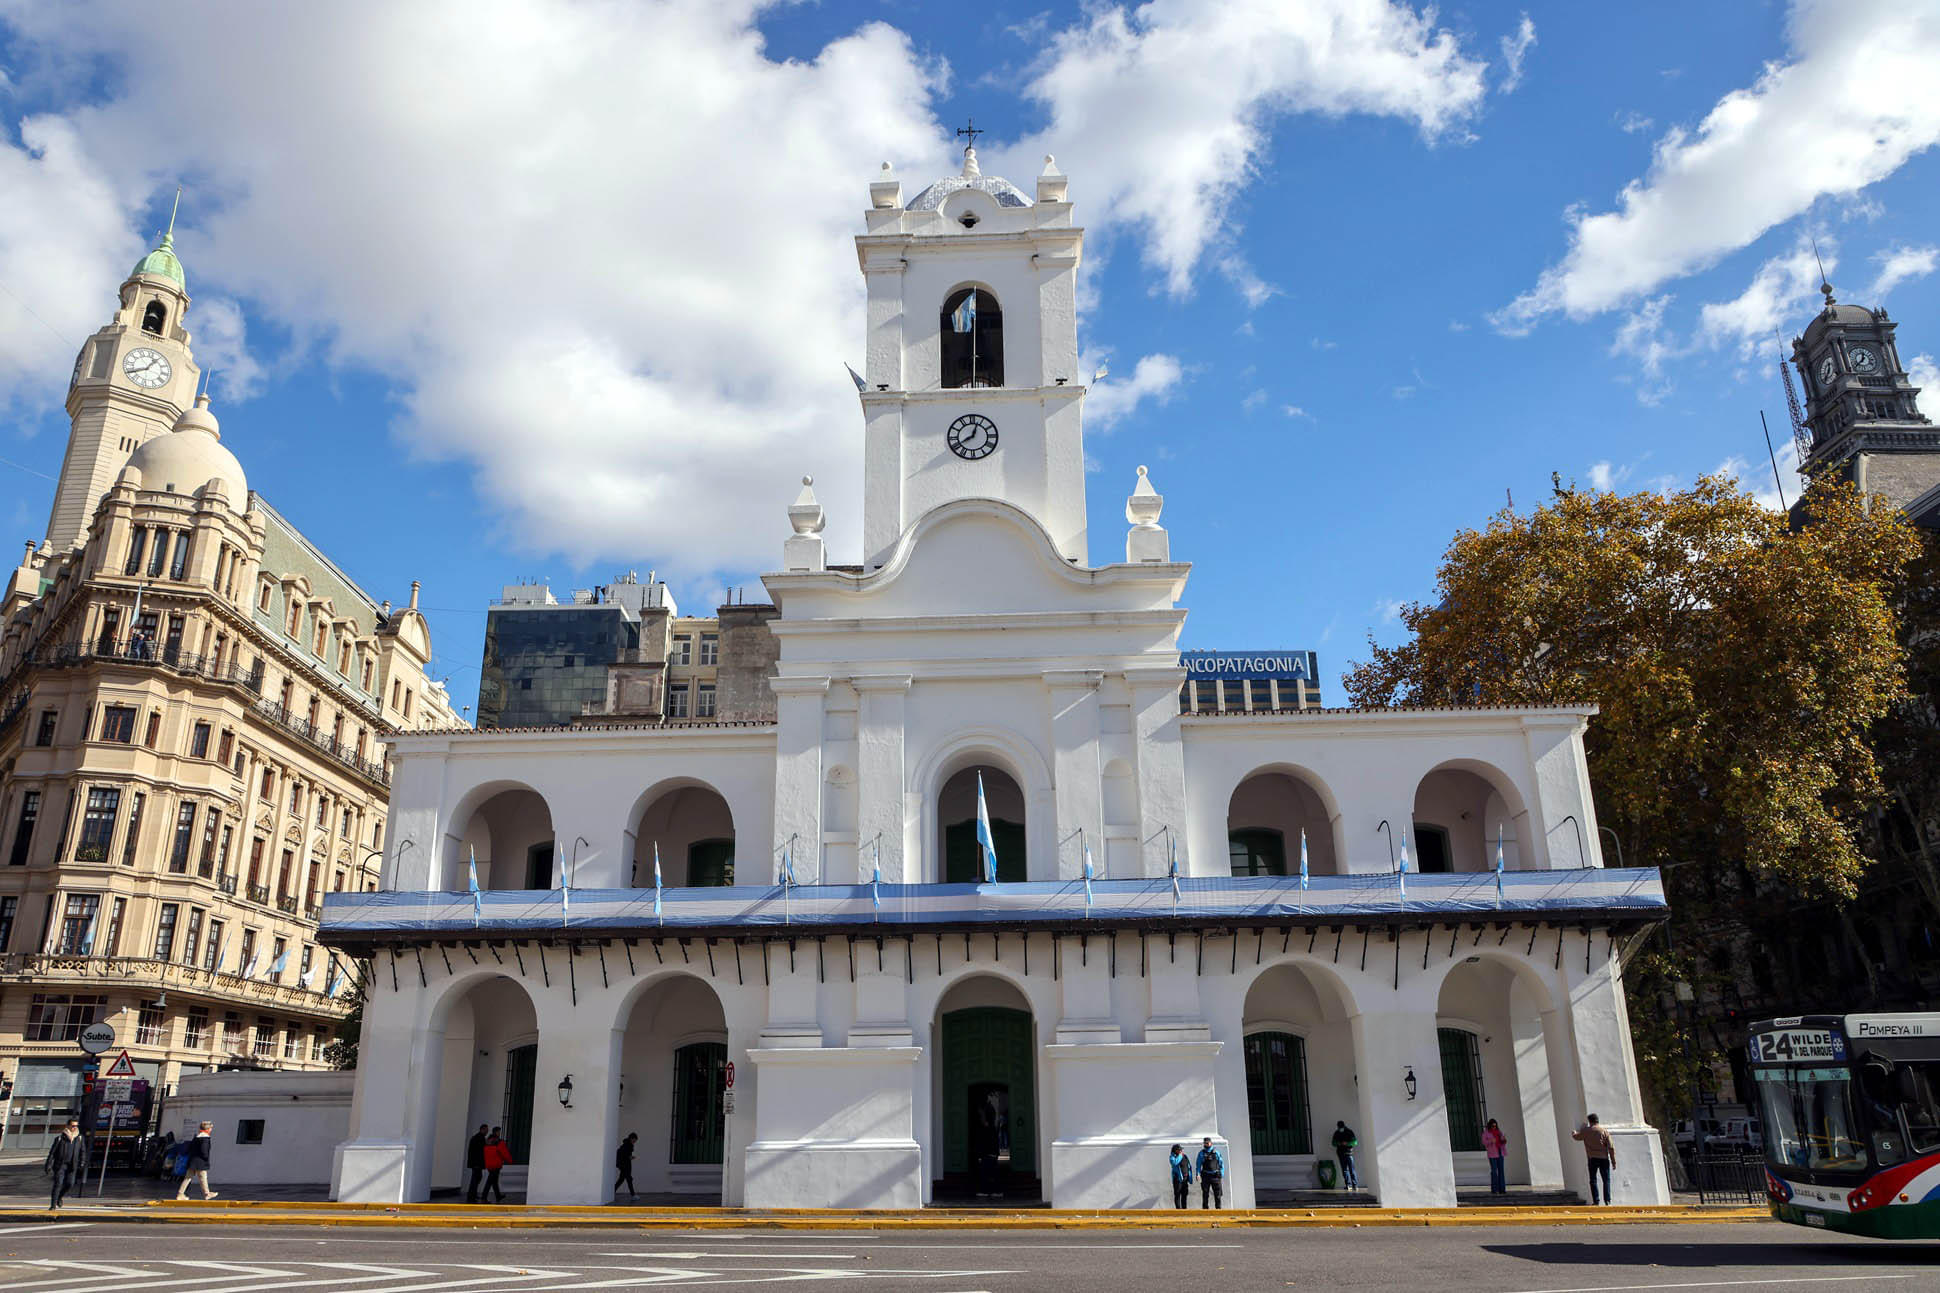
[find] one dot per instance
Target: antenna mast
(1801, 438)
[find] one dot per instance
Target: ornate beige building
(191, 700)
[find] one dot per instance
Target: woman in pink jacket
(1496, 1144)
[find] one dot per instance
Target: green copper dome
(162, 263)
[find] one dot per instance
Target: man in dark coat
(67, 1162)
(475, 1163)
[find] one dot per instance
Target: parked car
(1686, 1143)
(1746, 1135)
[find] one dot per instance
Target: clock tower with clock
(972, 387)
(132, 380)
(1861, 410)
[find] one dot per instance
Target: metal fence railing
(1728, 1178)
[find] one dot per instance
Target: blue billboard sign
(1283, 665)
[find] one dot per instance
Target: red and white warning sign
(730, 1072)
(123, 1067)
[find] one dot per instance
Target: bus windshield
(1810, 1120)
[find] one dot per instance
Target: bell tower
(1861, 410)
(972, 387)
(132, 380)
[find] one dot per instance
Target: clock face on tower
(1863, 360)
(1828, 370)
(146, 368)
(972, 436)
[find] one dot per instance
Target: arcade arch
(1491, 1030)
(1459, 810)
(985, 1093)
(507, 827)
(1298, 1049)
(693, 827)
(673, 1060)
(482, 1050)
(1267, 816)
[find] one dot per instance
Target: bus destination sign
(1797, 1045)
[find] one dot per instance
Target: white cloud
(1778, 296)
(222, 349)
(1154, 377)
(1253, 401)
(1456, 325)
(1899, 264)
(1604, 477)
(1320, 343)
(1774, 492)
(1161, 113)
(1295, 411)
(1404, 392)
(600, 249)
(1634, 123)
(1515, 48)
(1760, 156)
(1641, 337)
(1389, 609)
(1925, 374)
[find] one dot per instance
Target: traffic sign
(97, 1037)
(730, 1075)
(727, 1102)
(120, 1090)
(123, 1067)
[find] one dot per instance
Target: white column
(1606, 1070)
(1404, 1156)
(880, 774)
(798, 776)
(572, 1148)
(393, 1119)
(1537, 1157)
(1075, 771)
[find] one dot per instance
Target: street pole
(101, 1181)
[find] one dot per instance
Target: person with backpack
(1181, 1178)
(498, 1156)
(623, 1161)
(1345, 1142)
(1212, 1175)
(1602, 1153)
(195, 1163)
(1495, 1145)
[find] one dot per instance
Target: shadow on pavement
(1701, 1256)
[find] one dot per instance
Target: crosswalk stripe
(43, 1227)
(512, 1273)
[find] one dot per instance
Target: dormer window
(154, 318)
(972, 332)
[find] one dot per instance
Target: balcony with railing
(149, 974)
(259, 893)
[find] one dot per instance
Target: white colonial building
(808, 1034)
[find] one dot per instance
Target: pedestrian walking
(196, 1162)
(67, 1162)
(497, 1155)
(1495, 1144)
(1602, 1152)
(1181, 1178)
(1212, 1175)
(1345, 1142)
(475, 1163)
(623, 1160)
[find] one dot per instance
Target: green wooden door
(521, 1067)
(983, 1045)
(1276, 1094)
(963, 861)
(700, 1122)
(710, 862)
(1462, 1085)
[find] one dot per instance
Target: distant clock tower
(972, 386)
(1865, 423)
(132, 380)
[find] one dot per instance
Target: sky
(503, 289)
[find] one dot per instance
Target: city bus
(1851, 1107)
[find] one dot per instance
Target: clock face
(1827, 371)
(146, 368)
(973, 436)
(1863, 360)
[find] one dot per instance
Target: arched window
(700, 1122)
(1468, 1112)
(972, 329)
(1276, 1094)
(154, 318)
(1257, 852)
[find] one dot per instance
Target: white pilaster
(881, 819)
(798, 777)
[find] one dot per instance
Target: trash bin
(1324, 1173)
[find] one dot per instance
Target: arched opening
(956, 814)
(1300, 1080)
(510, 835)
(154, 318)
(693, 829)
(985, 1093)
(1266, 819)
(1459, 815)
(484, 1047)
(1495, 1066)
(972, 330)
(673, 1066)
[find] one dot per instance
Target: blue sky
(539, 288)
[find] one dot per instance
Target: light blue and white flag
(87, 939)
(281, 963)
(964, 318)
(788, 864)
(1087, 848)
(1402, 870)
(249, 966)
(985, 843)
(1303, 859)
(1498, 864)
(478, 897)
(656, 882)
(222, 950)
(336, 979)
(1172, 863)
(875, 880)
(565, 889)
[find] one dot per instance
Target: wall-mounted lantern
(1408, 1081)
(566, 1090)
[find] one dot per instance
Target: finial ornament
(1825, 280)
(805, 514)
(1146, 540)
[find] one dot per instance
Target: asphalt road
(82, 1256)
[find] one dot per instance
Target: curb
(429, 1216)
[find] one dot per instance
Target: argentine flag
(985, 844)
(964, 317)
(1303, 859)
(656, 881)
(1403, 871)
(478, 898)
(1087, 848)
(875, 879)
(336, 980)
(277, 966)
(1172, 863)
(1498, 864)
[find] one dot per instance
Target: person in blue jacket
(1212, 1175)
(1181, 1178)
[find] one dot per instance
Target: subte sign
(97, 1037)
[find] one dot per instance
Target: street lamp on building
(566, 1092)
(1409, 1082)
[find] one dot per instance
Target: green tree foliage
(341, 1053)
